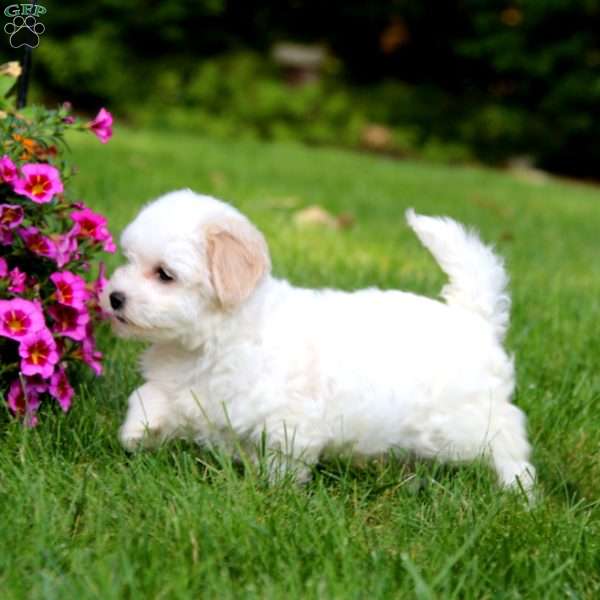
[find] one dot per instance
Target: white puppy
(237, 354)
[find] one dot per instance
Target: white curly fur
(236, 353)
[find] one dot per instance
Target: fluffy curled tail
(478, 280)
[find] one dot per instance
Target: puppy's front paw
(138, 436)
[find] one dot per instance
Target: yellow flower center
(14, 323)
(39, 185)
(38, 353)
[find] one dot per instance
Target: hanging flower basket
(50, 276)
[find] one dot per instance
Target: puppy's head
(192, 262)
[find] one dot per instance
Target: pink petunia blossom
(3, 268)
(88, 354)
(20, 318)
(101, 281)
(23, 400)
(37, 243)
(95, 289)
(40, 182)
(61, 389)
(8, 170)
(69, 322)
(70, 289)
(66, 247)
(101, 126)
(6, 237)
(38, 354)
(17, 281)
(11, 216)
(37, 384)
(91, 225)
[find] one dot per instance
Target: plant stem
(24, 79)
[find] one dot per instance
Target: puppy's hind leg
(510, 450)
(147, 423)
(493, 430)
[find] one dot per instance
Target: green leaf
(6, 84)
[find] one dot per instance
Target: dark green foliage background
(464, 74)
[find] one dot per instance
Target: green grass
(79, 518)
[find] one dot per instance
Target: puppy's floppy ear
(238, 258)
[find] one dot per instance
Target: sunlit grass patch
(82, 518)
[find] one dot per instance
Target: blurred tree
(502, 76)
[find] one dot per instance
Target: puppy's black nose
(117, 300)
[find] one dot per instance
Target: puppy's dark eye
(163, 275)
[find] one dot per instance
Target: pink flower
(40, 182)
(8, 170)
(88, 354)
(61, 389)
(101, 126)
(69, 120)
(95, 289)
(11, 216)
(3, 268)
(20, 318)
(38, 354)
(17, 281)
(69, 321)
(37, 384)
(70, 289)
(6, 237)
(66, 247)
(92, 226)
(23, 400)
(38, 243)
(101, 281)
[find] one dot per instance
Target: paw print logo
(24, 31)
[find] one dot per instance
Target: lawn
(79, 518)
